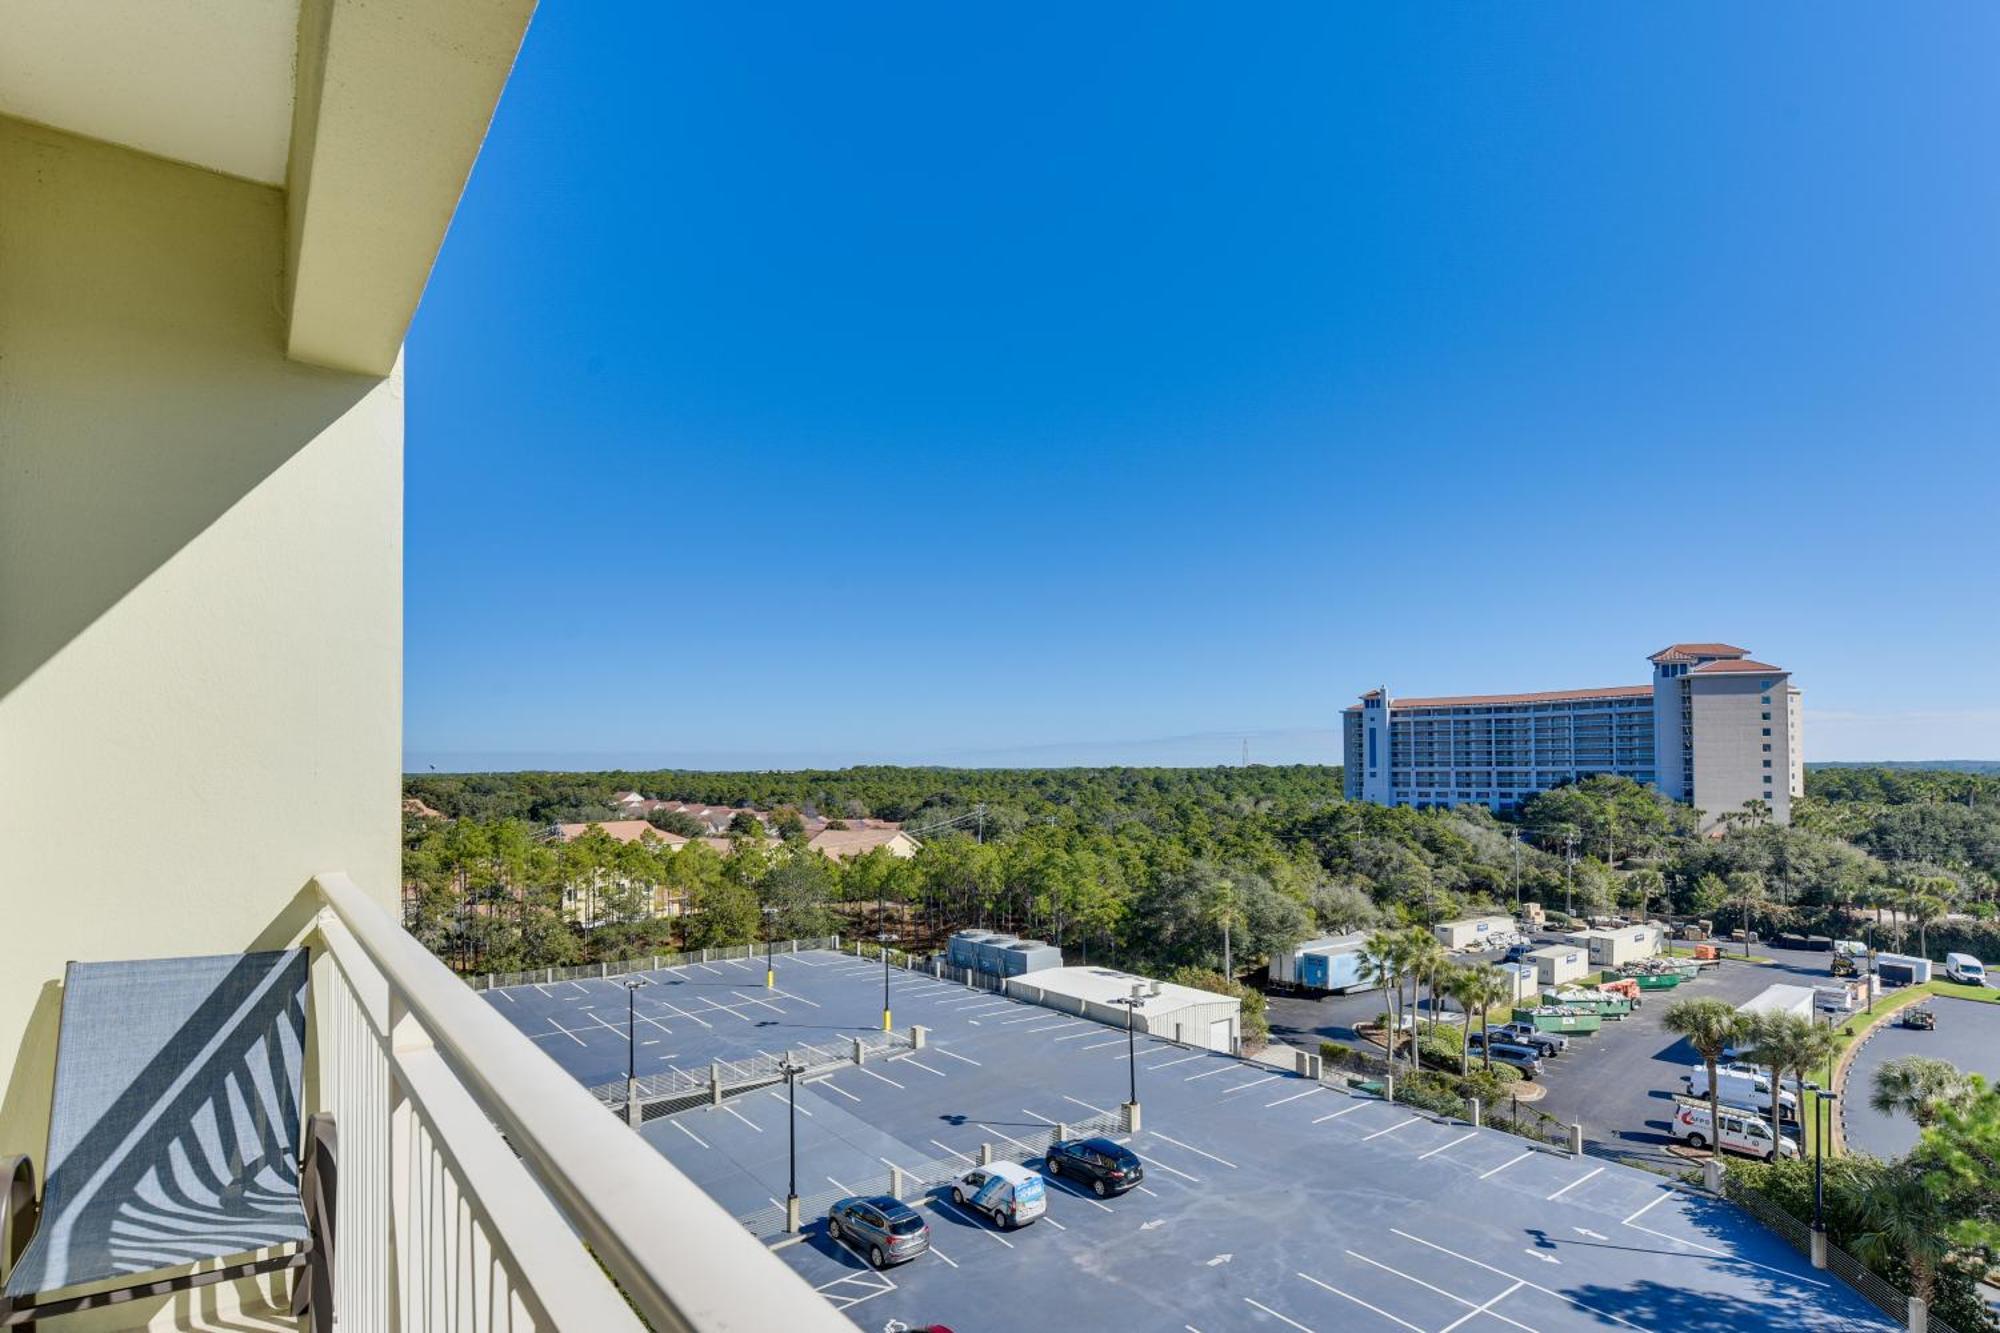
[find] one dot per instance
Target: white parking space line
(1078, 1036)
(544, 990)
(1180, 1060)
(831, 1086)
(1293, 1322)
(942, 1255)
(690, 1133)
(744, 1118)
(774, 1008)
(685, 1014)
(579, 989)
(781, 1097)
(1115, 1041)
(1058, 1027)
(736, 962)
(1504, 1165)
(1349, 1111)
(657, 1023)
(567, 1033)
(505, 996)
(915, 1063)
(1450, 1296)
(1172, 1171)
(1039, 1116)
(1086, 1105)
(939, 1050)
(863, 1069)
(1487, 1309)
(1347, 1296)
(601, 1023)
(1294, 1097)
(981, 1228)
(842, 1188)
(963, 1157)
(1501, 1272)
(1196, 1151)
(1573, 1184)
(1664, 1196)
(1052, 1222)
(706, 968)
(1026, 1018)
(1453, 1144)
(800, 998)
(1391, 1129)
(1253, 1083)
(1077, 1191)
(1210, 1073)
(1009, 1137)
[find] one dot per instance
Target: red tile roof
(620, 830)
(1743, 665)
(1676, 652)
(1533, 697)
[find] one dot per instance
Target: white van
(1740, 1133)
(1737, 1088)
(1964, 968)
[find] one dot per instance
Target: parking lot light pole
(632, 985)
(791, 1070)
(1131, 1003)
(770, 933)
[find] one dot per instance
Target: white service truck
(1741, 1132)
(1737, 1088)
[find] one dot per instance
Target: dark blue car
(1107, 1167)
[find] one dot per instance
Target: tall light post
(1131, 1005)
(1517, 872)
(1823, 1102)
(791, 1069)
(882, 938)
(632, 985)
(770, 933)
(1569, 855)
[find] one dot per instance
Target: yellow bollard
(885, 1020)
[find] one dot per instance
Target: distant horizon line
(1939, 764)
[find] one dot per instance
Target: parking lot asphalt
(1967, 1035)
(1619, 1084)
(1270, 1201)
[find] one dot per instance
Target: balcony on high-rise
(216, 222)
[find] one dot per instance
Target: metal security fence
(675, 1090)
(1839, 1262)
(543, 976)
(923, 1178)
(966, 976)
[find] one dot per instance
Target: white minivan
(1964, 968)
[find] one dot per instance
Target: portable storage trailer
(1472, 931)
(1522, 982)
(1025, 956)
(1559, 963)
(991, 954)
(1617, 947)
(1779, 999)
(962, 950)
(1330, 963)
(1902, 969)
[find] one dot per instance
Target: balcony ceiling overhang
(367, 113)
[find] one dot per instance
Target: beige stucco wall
(200, 586)
(1729, 758)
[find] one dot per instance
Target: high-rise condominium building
(1714, 729)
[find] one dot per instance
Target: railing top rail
(660, 1236)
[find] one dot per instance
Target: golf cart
(1919, 1016)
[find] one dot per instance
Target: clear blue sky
(909, 382)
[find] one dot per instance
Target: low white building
(1615, 948)
(1559, 963)
(1203, 1018)
(1472, 932)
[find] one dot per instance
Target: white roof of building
(1352, 941)
(1779, 997)
(1103, 985)
(1551, 950)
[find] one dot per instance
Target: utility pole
(1569, 855)
(1517, 872)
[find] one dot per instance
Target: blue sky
(903, 382)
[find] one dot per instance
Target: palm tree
(1481, 987)
(1746, 894)
(1917, 1086)
(1427, 960)
(1903, 1219)
(1787, 1043)
(1926, 906)
(1709, 1025)
(1382, 964)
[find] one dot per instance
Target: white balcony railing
(477, 1181)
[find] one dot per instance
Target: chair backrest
(175, 1130)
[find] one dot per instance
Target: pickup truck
(1525, 1034)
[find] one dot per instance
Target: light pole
(882, 937)
(1823, 1099)
(632, 985)
(791, 1069)
(770, 932)
(1569, 855)
(1517, 872)
(1131, 1004)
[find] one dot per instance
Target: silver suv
(885, 1229)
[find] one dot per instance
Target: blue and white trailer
(1331, 963)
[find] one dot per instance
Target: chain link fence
(1839, 1262)
(923, 1178)
(544, 976)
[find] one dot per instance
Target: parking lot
(1967, 1035)
(1270, 1200)
(1618, 1083)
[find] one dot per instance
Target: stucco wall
(1729, 720)
(200, 586)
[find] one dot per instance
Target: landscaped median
(1859, 1025)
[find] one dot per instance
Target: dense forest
(1147, 866)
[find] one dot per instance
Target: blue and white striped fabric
(174, 1135)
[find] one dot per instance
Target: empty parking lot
(1270, 1200)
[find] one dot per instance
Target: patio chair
(174, 1140)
